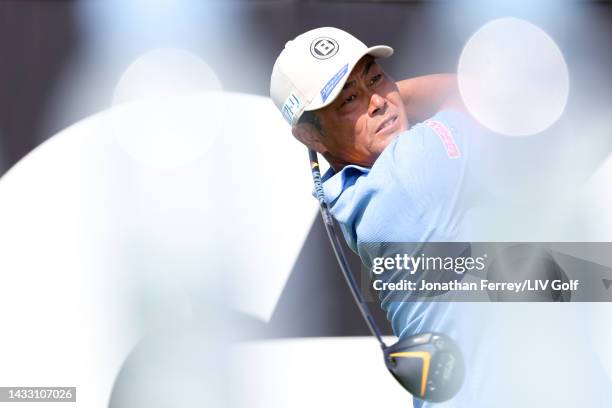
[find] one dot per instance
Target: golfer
(404, 168)
(340, 103)
(392, 178)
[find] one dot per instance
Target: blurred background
(61, 61)
(167, 230)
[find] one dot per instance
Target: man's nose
(378, 104)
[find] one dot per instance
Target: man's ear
(309, 135)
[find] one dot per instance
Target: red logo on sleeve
(446, 136)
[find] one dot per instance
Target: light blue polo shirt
(418, 190)
(427, 186)
(415, 190)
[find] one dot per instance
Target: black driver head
(430, 366)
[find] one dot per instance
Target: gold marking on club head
(425, 357)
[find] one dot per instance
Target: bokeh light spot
(513, 78)
(167, 108)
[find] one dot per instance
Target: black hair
(312, 118)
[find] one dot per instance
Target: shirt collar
(335, 183)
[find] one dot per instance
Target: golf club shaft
(335, 243)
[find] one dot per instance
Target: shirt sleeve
(429, 162)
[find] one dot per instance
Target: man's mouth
(388, 124)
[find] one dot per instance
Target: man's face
(364, 118)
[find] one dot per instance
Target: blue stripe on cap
(331, 84)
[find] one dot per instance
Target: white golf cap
(312, 69)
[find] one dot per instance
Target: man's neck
(337, 165)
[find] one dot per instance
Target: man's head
(338, 100)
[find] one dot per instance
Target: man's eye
(348, 99)
(375, 79)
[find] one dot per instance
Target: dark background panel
(37, 38)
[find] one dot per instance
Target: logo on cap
(331, 84)
(324, 48)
